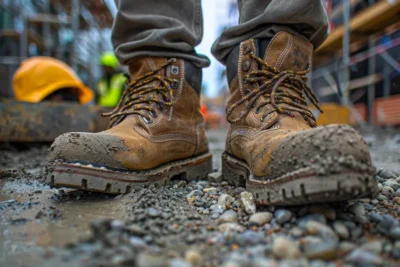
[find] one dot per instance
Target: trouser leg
(167, 28)
(264, 18)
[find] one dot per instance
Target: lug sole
(300, 187)
(100, 179)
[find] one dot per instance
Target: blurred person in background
(273, 145)
(48, 79)
(112, 84)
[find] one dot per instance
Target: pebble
(357, 209)
(194, 258)
(397, 200)
(396, 250)
(387, 191)
(375, 247)
(215, 177)
(182, 184)
(247, 202)
(210, 190)
(362, 257)
(191, 197)
(385, 174)
(395, 233)
(397, 193)
(324, 250)
(346, 247)
(326, 210)
(154, 213)
(230, 227)
(228, 216)
(261, 218)
(392, 183)
(225, 201)
(282, 216)
(249, 238)
(324, 231)
(284, 248)
(341, 230)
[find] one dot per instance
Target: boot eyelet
(257, 111)
(262, 119)
(147, 120)
(160, 106)
(175, 70)
(246, 66)
(153, 114)
(175, 84)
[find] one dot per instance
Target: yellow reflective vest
(109, 93)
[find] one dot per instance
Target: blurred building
(358, 65)
(74, 31)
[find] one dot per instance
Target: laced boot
(156, 132)
(273, 146)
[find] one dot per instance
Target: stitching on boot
(176, 136)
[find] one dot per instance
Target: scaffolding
(361, 53)
(73, 31)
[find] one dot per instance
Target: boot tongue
(144, 65)
(286, 52)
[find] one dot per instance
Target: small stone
(321, 250)
(215, 177)
(285, 249)
(397, 200)
(261, 218)
(326, 210)
(194, 258)
(225, 201)
(215, 216)
(357, 209)
(345, 247)
(230, 227)
(375, 247)
(152, 212)
(362, 257)
(206, 190)
(137, 242)
(191, 197)
(396, 250)
(135, 229)
(341, 230)
(182, 184)
(385, 174)
(387, 191)
(282, 216)
(324, 231)
(247, 202)
(145, 260)
(229, 216)
(249, 238)
(392, 183)
(395, 233)
(397, 193)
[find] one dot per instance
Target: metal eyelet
(175, 84)
(262, 119)
(160, 106)
(175, 70)
(147, 120)
(153, 114)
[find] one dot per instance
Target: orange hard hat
(204, 110)
(38, 77)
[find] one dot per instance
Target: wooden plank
(366, 23)
(354, 84)
(43, 122)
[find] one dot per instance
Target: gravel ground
(203, 223)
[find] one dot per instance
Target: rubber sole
(300, 187)
(101, 179)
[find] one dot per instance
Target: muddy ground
(205, 223)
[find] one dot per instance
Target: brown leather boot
(273, 144)
(156, 132)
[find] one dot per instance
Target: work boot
(156, 132)
(273, 145)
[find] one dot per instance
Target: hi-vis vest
(109, 94)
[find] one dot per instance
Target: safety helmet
(38, 77)
(108, 59)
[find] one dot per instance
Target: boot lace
(273, 88)
(141, 94)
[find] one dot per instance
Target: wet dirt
(40, 226)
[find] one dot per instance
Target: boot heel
(199, 171)
(233, 172)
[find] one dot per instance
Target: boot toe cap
(86, 148)
(323, 150)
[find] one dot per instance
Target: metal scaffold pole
(371, 71)
(75, 30)
(346, 52)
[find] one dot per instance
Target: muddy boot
(273, 145)
(156, 132)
